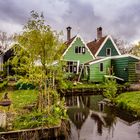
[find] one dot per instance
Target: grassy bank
(129, 101)
(19, 98)
(24, 113)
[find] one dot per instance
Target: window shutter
(83, 49)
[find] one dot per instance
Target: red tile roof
(95, 45)
(69, 41)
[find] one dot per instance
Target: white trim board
(108, 37)
(114, 57)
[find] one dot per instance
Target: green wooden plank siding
(120, 67)
(71, 55)
(95, 74)
(132, 75)
(108, 45)
(125, 68)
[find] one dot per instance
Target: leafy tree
(37, 59)
(136, 49)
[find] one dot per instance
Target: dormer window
(108, 52)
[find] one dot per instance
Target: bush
(24, 86)
(3, 85)
(110, 90)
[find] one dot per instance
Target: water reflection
(92, 120)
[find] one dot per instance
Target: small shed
(126, 67)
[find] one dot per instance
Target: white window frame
(107, 51)
(73, 67)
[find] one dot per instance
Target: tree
(5, 41)
(37, 59)
(123, 46)
(136, 49)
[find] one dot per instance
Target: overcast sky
(119, 18)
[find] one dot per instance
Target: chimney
(99, 32)
(68, 33)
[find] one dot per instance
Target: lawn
(20, 98)
(24, 118)
(129, 101)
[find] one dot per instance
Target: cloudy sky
(120, 18)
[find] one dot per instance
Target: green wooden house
(99, 59)
(103, 46)
(126, 67)
(122, 67)
(76, 54)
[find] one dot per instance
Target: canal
(91, 121)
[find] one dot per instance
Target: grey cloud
(127, 24)
(10, 11)
(84, 17)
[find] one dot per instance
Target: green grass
(20, 98)
(129, 101)
(23, 118)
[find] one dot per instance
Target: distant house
(5, 55)
(99, 59)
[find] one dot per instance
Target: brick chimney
(68, 33)
(99, 32)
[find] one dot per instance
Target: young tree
(37, 58)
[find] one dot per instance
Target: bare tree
(123, 46)
(5, 41)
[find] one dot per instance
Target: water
(91, 121)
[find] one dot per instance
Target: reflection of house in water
(90, 121)
(77, 111)
(77, 101)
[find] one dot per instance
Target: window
(83, 49)
(76, 49)
(108, 52)
(71, 67)
(137, 67)
(101, 67)
(79, 49)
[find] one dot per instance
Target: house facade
(76, 54)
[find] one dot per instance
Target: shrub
(110, 90)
